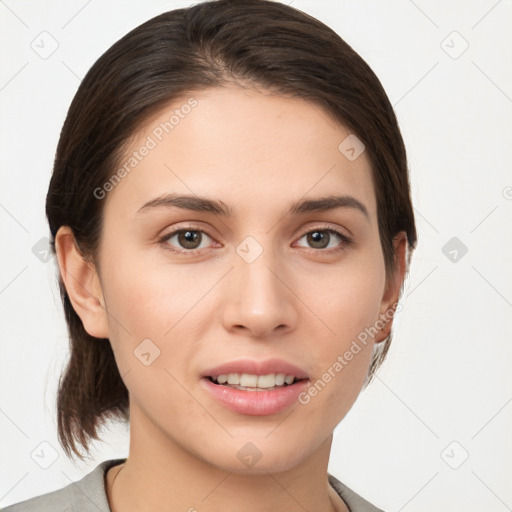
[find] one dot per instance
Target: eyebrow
(203, 204)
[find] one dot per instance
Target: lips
(255, 387)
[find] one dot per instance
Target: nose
(259, 300)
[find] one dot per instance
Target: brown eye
(189, 239)
(186, 240)
(318, 239)
(325, 239)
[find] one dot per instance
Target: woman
(231, 214)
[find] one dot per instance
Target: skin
(257, 153)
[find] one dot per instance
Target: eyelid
(185, 226)
(328, 227)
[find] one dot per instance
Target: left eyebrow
(203, 204)
(328, 203)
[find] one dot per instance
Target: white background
(445, 391)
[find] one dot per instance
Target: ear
(82, 284)
(392, 290)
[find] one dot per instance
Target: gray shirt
(89, 495)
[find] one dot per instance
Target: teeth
(248, 380)
(234, 378)
(267, 381)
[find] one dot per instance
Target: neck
(160, 475)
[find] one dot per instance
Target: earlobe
(392, 291)
(82, 283)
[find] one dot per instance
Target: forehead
(249, 148)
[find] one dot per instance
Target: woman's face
(256, 283)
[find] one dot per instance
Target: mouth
(256, 388)
(253, 382)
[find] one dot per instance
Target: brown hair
(259, 43)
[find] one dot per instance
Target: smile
(255, 388)
(251, 382)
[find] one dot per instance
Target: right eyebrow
(188, 202)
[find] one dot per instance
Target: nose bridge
(257, 298)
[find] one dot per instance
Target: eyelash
(345, 240)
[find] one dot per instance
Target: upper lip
(255, 367)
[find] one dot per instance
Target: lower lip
(255, 403)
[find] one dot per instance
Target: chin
(261, 453)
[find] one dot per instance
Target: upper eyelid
(326, 227)
(323, 227)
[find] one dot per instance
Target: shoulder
(353, 501)
(81, 496)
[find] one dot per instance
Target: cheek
(341, 357)
(151, 332)
(148, 297)
(347, 303)
(157, 301)
(347, 300)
